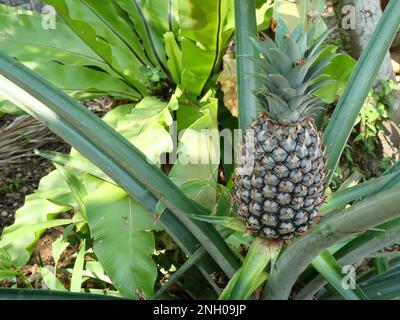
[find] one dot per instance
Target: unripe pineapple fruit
(280, 167)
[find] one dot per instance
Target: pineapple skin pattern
(280, 164)
(281, 196)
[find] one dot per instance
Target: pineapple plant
(280, 166)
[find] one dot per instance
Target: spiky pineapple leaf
(360, 83)
(305, 12)
(332, 271)
(251, 275)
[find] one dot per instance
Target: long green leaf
(249, 276)
(27, 294)
(343, 197)
(356, 250)
(77, 271)
(246, 27)
(108, 150)
(295, 259)
(327, 266)
(189, 263)
(384, 286)
(361, 81)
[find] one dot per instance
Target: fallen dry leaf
(227, 81)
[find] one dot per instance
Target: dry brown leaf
(227, 81)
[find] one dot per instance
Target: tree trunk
(357, 20)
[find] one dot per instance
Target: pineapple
(280, 195)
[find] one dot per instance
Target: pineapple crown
(292, 73)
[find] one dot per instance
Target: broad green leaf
(76, 187)
(162, 14)
(7, 268)
(50, 280)
(77, 271)
(57, 248)
(339, 70)
(327, 266)
(82, 82)
(53, 187)
(264, 15)
(5, 274)
(10, 238)
(145, 128)
(202, 21)
(86, 166)
(103, 39)
(59, 45)
(94, 269)
(174, 55)
(6, 107)
(112, 17)
(204, 37)
(122, 241)
(112, 117)
(138, 12)
(5, 260)
(75, 162)
(35, 210)
(197, 63)
(199, 152)
(24, 38)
